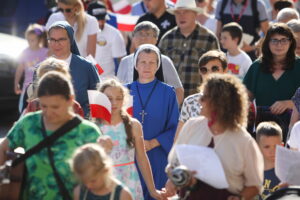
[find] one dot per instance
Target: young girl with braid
(128, 142)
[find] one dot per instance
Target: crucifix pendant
(143, 113)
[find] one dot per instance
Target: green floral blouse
(40, 180)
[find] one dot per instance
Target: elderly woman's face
(279, 45)
(147, 65)
(144, 37)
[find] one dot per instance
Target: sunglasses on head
(67, 10)
(204, 70)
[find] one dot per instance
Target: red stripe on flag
(130, 111)
(99, 68)
(125, 10)
(126, 27)
(98, 111)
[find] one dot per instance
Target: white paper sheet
(287, 165)
(205, 162)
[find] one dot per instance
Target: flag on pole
(94, 62)
(100, 105)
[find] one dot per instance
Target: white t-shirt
(125, 71)
(91, 28)
(238, 65)
(211, 24)
(110, 45)
(294, 140)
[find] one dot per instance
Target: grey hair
(294, 24)
(146, 26)
(286, 14)
(148, 48)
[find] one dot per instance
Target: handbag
(11, 175)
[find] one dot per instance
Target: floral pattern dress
(123, 159)
(40, 180)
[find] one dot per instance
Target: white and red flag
(94, 62)
(121, 6)
(126, 22)
(100, 105)
(129, 105)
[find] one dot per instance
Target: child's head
(268, 135)
(92, 166)
(118, 95)
(36, 36)
(231, 35)
(212, 62)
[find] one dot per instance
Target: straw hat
(186, 5)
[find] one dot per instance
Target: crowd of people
(223, 74)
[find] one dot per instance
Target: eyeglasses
(67, 10)
(145, 35)
(204, 70)
(283, 41)
(59, 41)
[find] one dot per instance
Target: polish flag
(121, 6)
(94, 62)
(129, 105)
(126, 22)
(100, 105)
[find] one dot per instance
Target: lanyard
(241, 13)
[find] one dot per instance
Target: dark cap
(97, 9)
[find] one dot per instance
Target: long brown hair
(126, 118)
(267, 58)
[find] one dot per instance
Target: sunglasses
(204, 70)
(67, 10)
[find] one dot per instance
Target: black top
(87, 195)
(164, 23)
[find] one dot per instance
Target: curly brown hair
(228, 98)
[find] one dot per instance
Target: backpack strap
(255, 12)
(223, 5)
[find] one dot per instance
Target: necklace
(143, 113)
(241, 13)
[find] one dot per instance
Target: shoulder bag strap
(49, 140)
(62, 189)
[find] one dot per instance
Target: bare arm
(125, 195)
(180, 95)
(91, 45)
(219, 28)
(76, 193)
(3, 149)
(179, 127)
(248, 193)
(264, 26)
(18, 75)
(142, 159)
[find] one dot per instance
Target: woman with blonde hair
(94, 169)
(222, 126)
(84, 25)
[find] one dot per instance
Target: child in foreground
(93, 168)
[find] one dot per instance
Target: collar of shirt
(68, 60)
(196, 31)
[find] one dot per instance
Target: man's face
(59, 43)
(153, 5)
(185, 19)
